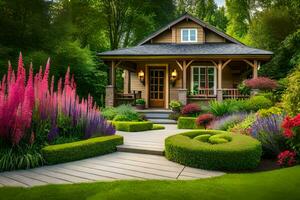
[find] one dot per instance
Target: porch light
(173, 77)
(141, 76)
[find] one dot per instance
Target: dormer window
(189, 35)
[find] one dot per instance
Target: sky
(220, 2)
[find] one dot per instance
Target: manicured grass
(282, 184)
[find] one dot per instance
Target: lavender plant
(227, 121)
(269, 132)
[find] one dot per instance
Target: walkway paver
(148, 142)
(115, 166)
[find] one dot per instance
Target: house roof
(198, 21)
(187, 50)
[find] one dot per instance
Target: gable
(205, 32)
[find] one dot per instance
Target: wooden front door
(157, 87)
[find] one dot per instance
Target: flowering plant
(204, 119)
(287, 158)
(190, 109)
(262, 83)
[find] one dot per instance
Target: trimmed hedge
(133, 126)
(242, 152)
(60, 153)
(158, 127)
(187, 123)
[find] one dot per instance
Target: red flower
(191, 108)
(288, 133)
(287, 158)
(287, 122)
(204, 119)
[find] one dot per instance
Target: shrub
(109, 113)
(83, 149)
(242, 152)
(257, 102)
(121, 118)
(204, 119)
(174, 116)
(187, 123)
(228, 121)
(225, 107)
(157, 127)
(175, 105)
(291, 97)
(261, 83)
(244, 127)
(126, 111)
(140, 102)
(243, 89)
(269, 132)
(191, 109)
(133, 126)
(268, 112)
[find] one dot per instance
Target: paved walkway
(115, 166)
(151, 142)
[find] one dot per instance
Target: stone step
(157, 115)
(141, 150)
(162, 121)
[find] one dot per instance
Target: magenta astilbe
(16, 104)
(19, 98)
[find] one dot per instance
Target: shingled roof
(187, 49)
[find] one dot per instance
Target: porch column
(219, 88)
(255, 67)
(126, 76)
(182, 93)
(110, 89)
(146, 86)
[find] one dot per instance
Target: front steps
(158, 116)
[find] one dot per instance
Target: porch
(159, 81)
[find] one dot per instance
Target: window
(189, 35)
(203, 80)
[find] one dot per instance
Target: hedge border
(132, 126)
(241, 153)
(187, 123)
(67, 152)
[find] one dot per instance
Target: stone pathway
(115, 166)
(147, 142)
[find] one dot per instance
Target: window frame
(199, 81)
(189, 35)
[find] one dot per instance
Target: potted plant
(140, 104)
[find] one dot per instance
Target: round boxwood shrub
(214, 149)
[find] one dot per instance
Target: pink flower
(287, 158)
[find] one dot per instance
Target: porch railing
(203, 93)
(227, 93)
(121, 98)
(232, 93)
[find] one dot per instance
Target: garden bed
(61, 153)
(187, 123)
(132, 126)
(238, 152)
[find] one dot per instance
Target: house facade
(187, 60)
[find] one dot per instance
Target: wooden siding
(211, 37)
(165, 37)
(173, 35)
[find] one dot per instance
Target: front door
(157, 87)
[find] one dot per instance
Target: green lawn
(280, 184)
